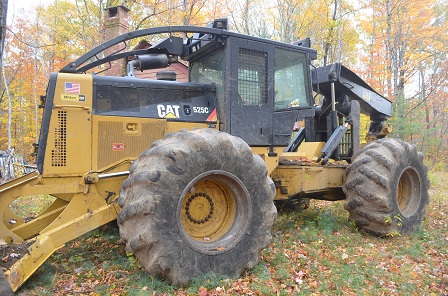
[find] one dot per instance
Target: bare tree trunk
(246, 17)
(426, 134)
(339, 49)
(22, 126)
(36, 105)
(9, 103)
(3, 14)
(328, 42)
(389, 50)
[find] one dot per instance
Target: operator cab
(263, 87)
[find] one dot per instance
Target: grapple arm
(80, 207)
(349, 84)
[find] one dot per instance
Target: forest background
(398, 46)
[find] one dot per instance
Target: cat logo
(168, 111)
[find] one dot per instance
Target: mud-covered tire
(387, 188)
(197, 202)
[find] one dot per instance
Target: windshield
(210, 70)
(291, 80)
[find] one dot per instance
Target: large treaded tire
(387, 188)
(180, 189)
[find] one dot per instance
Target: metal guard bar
(73, 67)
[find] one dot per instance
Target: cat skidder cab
(191, 170)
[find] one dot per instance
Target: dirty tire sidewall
(387, 188)
(150, 198)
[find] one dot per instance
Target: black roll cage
(75, 67)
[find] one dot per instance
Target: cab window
(291, 80)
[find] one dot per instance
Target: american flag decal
(72, 88)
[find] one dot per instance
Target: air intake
(59, 153)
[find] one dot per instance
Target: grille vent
(59, 153)
(113, 132)
(252, 77)
(346, 146)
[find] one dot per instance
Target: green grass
(314, 252)
(30, 206)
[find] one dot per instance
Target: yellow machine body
(87, 158)
(259, 90)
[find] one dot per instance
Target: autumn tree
(398, 46)
(433, 86)
(326, 22)
(407, 47)
(3, 14)
(60, 32)
(154, 13)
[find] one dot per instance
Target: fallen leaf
(394, 269)
(203, 291)
(313, 284)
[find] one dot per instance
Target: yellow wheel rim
(214, 211)
(408, 193)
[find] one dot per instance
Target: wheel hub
(214, 212)
(196, 201)
(208, 210)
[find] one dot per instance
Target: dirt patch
(10, 254)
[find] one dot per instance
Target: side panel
(68, 146)
(116, 138)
